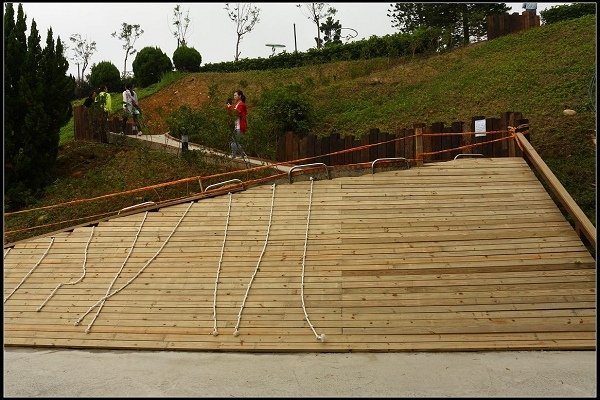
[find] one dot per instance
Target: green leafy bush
(105, 73)
(287, 108)
(150, 65)
(187, 59)
(565, 12)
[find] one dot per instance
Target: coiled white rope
(236, 332)
(73, 282)
(215, 332)
(320, 337)
(7, 251)
(30, 271)
(106, 297)
(116, 276)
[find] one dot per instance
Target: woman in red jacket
(241, 122)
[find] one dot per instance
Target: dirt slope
(191, 91)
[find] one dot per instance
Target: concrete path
(105, 373)
(169, 140)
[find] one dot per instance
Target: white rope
(215, 332)
(320, 337)
(106, 297)
(236, 332)
(32, 269)
(117, 275)
(73, 282)
(7, 251)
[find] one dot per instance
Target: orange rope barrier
(465, 147)
(194, 178)
(464, 133)
(254, 169)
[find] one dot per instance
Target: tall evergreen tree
(37, 104)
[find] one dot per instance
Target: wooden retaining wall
(503, 24)
(294, 146)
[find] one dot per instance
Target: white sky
(211, 32)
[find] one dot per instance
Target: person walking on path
(241, 123)
(131, 108)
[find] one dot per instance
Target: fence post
(419, 144)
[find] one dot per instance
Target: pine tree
(37, 104)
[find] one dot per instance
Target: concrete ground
(108, 373)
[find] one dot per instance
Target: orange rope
(258, 168)
(204, 178)
(465, 133)
(466, 146)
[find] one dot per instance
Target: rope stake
(116, 276)
(108, 296)
(30, 271)
(73, 282)
(236, 332)
(320, 337)
(215, 332)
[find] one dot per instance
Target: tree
(245, 16)
(181, 25)
(129, 34)
(460, 23)
(187, 59)
(82, 52)
(332, 32)
(105, 73)
(317, 12)
(150, 65)
(38, 104)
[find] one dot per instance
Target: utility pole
(295, 45)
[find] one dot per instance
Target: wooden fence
(503, 24)
(92, 124)
(411, 143)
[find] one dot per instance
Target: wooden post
(348, 141)
(419, 144)
(438, 142)
(455, 141)
(289, 146)
(373, 135)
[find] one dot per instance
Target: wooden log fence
(92, 124)
(503, 24)
(416, 143)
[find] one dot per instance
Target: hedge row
(401, 44)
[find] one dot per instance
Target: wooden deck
(470, 254)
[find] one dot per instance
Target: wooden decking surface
(470, 254)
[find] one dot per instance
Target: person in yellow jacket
(105, 102)
(104, 99)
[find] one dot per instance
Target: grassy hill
(536, 72)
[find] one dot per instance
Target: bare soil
(191, 91)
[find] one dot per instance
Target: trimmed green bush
(187, 59)
(105, 73)
(150, 65)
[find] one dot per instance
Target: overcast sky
(211, 32)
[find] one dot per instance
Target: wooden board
(470, 254)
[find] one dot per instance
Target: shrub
(565, 12)
(105, 73)
(150, 65)
(187, 59)
(287, 108)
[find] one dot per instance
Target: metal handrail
(146, 203)
(223, 183)
(388, 159)
(306, 166)
(468, 155)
